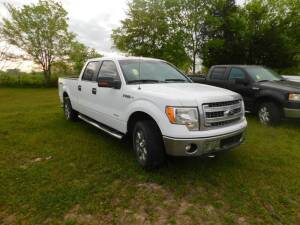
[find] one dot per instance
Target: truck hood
(284, 85)
(188, 93)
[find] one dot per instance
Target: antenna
(139, 73)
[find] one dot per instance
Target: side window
(236, 73)
(91, 71)
(109, 69)
(218, 73)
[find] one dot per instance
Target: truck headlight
(294, 97)
(184, 116)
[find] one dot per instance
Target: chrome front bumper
(292, 113)
(202, 146)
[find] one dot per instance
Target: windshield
(263, 74)
(151, 72)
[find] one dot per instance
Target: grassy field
(58, 172)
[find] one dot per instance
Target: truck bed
(69, 78)
(198, 79)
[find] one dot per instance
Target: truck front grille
(218, 114)
(220, 104)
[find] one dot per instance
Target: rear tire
(69, 112)
(148, 144)
(269, 113)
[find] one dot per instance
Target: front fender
(270, 94)
(151, 109)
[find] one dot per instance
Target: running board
(99, 126)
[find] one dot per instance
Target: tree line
(184, 32)
(264, 32)
(41, 31)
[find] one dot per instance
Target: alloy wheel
(264, 115)
(67, 110)
(140, 145)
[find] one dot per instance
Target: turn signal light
(170, 114)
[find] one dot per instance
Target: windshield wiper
(262, 80)
(175, 80)
(144, 81)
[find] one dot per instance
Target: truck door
(238, 81)
(87, 88)
(109, 102)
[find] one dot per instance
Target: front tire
(148, 144)
(69, 113)
(269, 113)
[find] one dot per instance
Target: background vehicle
(154, 104)
(267, 94)
(292, 78)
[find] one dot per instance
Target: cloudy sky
(91, 20)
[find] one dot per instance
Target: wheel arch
(65, 94)
(138, 116)
(268, 98)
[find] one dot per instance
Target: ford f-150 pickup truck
(268, 95)
(157, 106)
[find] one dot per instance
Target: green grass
(58, 172)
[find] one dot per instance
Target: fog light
(191, 148)
(187, 147)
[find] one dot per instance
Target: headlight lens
(184, 116)
(294, 97)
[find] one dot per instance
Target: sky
(91, 20)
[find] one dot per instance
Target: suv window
(108, 69)
(218, 73)
(236, 73)
(91, 71)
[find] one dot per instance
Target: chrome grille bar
(222, 113)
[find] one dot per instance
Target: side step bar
(101, 127)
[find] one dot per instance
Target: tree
(224, 33)
(147, 32)
(264, 32)
(187, 19)
(79, 54)
(41, 30)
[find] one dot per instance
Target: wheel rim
(264, 115)
(67, 111)
(140, 145)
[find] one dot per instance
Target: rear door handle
(79, 87)
(94, 91)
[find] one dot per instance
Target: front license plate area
(212, 146)
(231, 141)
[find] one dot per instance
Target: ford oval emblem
(229, 112)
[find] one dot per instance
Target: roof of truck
(124, 58)
(237, 65)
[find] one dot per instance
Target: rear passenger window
(218, 73)
(108, 69)
(236, 73)
(91, 71)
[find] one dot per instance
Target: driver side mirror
(109, 82)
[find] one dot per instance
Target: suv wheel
(69, 112)
(269, 113)
(148, 144)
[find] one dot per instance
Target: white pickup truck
(157, 106)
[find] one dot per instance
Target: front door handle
(94, 91)
(79, 87)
